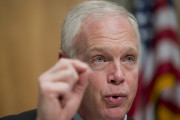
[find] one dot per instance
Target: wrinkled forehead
(106, 25)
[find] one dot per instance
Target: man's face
(111, 52)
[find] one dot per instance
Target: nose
(116, 75)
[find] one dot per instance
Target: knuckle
(72, 75)
(66, 87)
(69, 73)
(43, 77)
(75, 76)
(44, 88)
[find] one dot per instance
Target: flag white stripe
(167, 50)
(165, 18)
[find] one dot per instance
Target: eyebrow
(96, 48)
(101, 49)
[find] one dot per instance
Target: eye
(129, 59)
(98, 59)
(98, 62)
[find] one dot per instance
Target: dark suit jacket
(29, 115)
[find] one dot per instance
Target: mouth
(114, 99)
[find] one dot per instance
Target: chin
(115, 113)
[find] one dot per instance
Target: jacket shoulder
(28, 115)
(128, 118)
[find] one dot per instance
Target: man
(97, 74)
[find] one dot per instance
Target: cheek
(96, 86)
(97, 80)
(132, 78)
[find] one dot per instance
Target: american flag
(158, 96)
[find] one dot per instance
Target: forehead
(108, 26)
(115, 31)
(112, 24)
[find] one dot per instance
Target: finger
(80, 66)
(69, 76)
(54, 89)
(65, 63)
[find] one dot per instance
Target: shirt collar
(78, 117)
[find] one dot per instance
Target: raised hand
(61, 90)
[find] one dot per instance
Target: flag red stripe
(163, 69)
(165, 34)
(160, 4)
(170, 105)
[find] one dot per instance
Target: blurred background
(30, 33)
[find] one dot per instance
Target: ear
(62, 54)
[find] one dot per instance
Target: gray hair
(82, 11)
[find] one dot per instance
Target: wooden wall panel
(29, 45)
